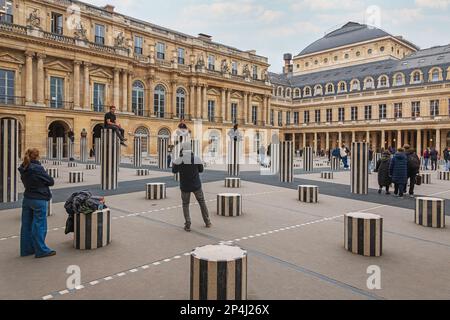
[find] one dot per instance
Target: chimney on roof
(288, 66)
(109, 8)
(204, 36)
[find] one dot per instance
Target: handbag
(418, 180)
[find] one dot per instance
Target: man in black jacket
(111, 123)
(190, 167)
(413, 168)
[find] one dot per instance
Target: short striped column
(444, 175)
(275, 158)
(49, 208)
(137, 156)
(76, 177)
(234, 153)
(70, 149)
(50, 154)
(232, 182)
(98, 150)
(308, 159)
(110, 164)
(430, 212)
(229, 204)
(9, 155)
(422, 163)
(218, 272)
(53, 172)
(59, 148)
(142, 172)
(163, 144)
(57, 163)
(83, 150)
(308, 194)
(93, 230)
(45, 161)
(363, 234)
(335, 164)
(91, 166)
(155, 191)
(327, 175)
(287, 161)
(426, 177)
(360, 168)
(72, 164)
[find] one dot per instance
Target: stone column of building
(340, 138)
(29, 78)
(173, 101)
(124, 91)
(150, 97)
(383, 139)
(228, 106)
(116, 88)
(205, 103)
(40, 80)
(419, 142)
(129, 93)
(353, 136)
(190, 106)
(438, 140)
(265, 109)
(327, 141)
(223, 110)
(399, 139)
(87, 87)
(198, 109)
(249, 108)
(315, 143)
(76, 85)
(245, 113)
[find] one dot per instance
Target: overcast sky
(274, 27)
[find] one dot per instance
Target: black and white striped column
(234, 154)
(50, 154)
(49, 208)
(93, 230)
(83, 150)
(110, 164)
(137, 156)
(9, 154)
(70, 149)
(327, 175)
(444, 175)
(360, 168)
(57, 163)
(430, 212)
(91, 166)
(76, 177)
(196, 149)
(308, 194)
(53, 172)
(229, 204)
(59, 148)
(363, 234)
(376, 157)
(155, 191)
(142, 172)
(232, 182)
(163, 144)
(287, 161)
(274, 158)
(308, 159)
(335, 164)
(218, 272)
(72, 164)
(426, 177)
(98, 150)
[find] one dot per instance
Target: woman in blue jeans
(34, 206)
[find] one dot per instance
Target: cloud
(326, 5)
(433, 4)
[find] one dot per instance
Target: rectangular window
(211, 63)
(398, 110)
(280, 118)
(99, 97)
(7, 87)
(57, 23)
(296, 118)
(6, 13)
(234, 113)
(306, 117)
(368, 112)
(180, 104)
(99, 34)
(341, 115)
(56, 92)
(288, 118)
(137, 99)
(382, 111)
(354, 113)
(317, 116)
(181, 55)
(160, 51)
(434, 108)
(329, 115)
(234, 68)
(415, 109)
(138, 45)
(255, 115)
(211, 110)
(272, 117)
(255, 72)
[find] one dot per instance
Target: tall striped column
(98, 150)
(335, 164)
(218, 272)
(308, 159)
(50, 154)
(360, 168)
(70, 149)
(195, 145)
(287, 161)
(275, 158)
(163, 144)
(59, 148)
(109, 170)
(137, 156)
(9, 154)
(83, 150)
(234, 154)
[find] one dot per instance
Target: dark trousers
(412, 184)
(186, 199)
(434, 165)
(119, 131)
(399, 189)
(387, 188)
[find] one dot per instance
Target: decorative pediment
(236, 95)
(101, 73)
(257, 99)
(7, 57)
(213, 92)
(58, 65)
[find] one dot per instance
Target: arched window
(296, 93)
(417, 77)
(399, 79)
(330, 88)
(368, 84)
(307, 91)
(280, 91)
(342, 87)
(181, 99)
(383, 82)
(355, 85)
(159, 100)
(288, 93)
(435, 75)
(143, 132)
(138, 98)
(318, 91)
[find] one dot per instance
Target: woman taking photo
(34, 206)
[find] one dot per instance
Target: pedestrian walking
(399, 172)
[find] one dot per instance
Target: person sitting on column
(110, 123)
(34, 207)
(189, 166)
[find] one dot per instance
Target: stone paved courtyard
(295, 250)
